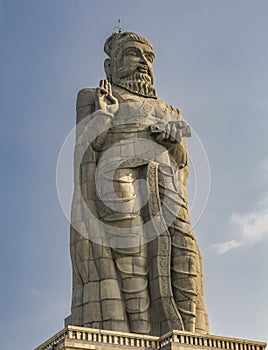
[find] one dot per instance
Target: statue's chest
(143, 112)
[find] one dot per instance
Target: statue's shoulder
(176, 111)
(85, 103)
(85, 97)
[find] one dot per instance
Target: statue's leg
(130, 258)
(78, 282)
(202, 322)
(184, 277)
(184, 257)
(132, 266)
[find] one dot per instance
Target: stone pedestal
(80, 338)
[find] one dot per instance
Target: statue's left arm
(172, 136)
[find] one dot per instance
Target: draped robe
(164, 288)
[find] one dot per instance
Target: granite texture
(136, 263)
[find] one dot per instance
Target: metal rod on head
(119, 26)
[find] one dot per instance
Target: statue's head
(130, 63)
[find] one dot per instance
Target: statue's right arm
(85, 104)
(86, 108)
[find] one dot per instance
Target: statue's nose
(144, 59)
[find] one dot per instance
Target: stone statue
(136, 264)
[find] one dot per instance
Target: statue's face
(133, 57)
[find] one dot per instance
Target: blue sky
(211, 63)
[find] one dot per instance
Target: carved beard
(138, 83)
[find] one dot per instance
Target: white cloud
(225, 246)
(248, 228)
(253, 226)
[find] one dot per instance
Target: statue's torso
(130, 137)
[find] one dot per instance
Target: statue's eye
(131, 52)
(149, 57)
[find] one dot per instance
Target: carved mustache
(141, 68)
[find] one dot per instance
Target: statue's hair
(116, 40)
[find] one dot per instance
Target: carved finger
(106, 85)
(102, 84)
(109, 88)
(172, 133)
(167, 134)
(179, 135)
(173, 130)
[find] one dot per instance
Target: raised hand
(104, 96)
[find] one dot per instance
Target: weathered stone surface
(136, 264)
(79, 338)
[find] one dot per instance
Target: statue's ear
(107, 68)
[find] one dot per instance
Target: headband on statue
(116, 40)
